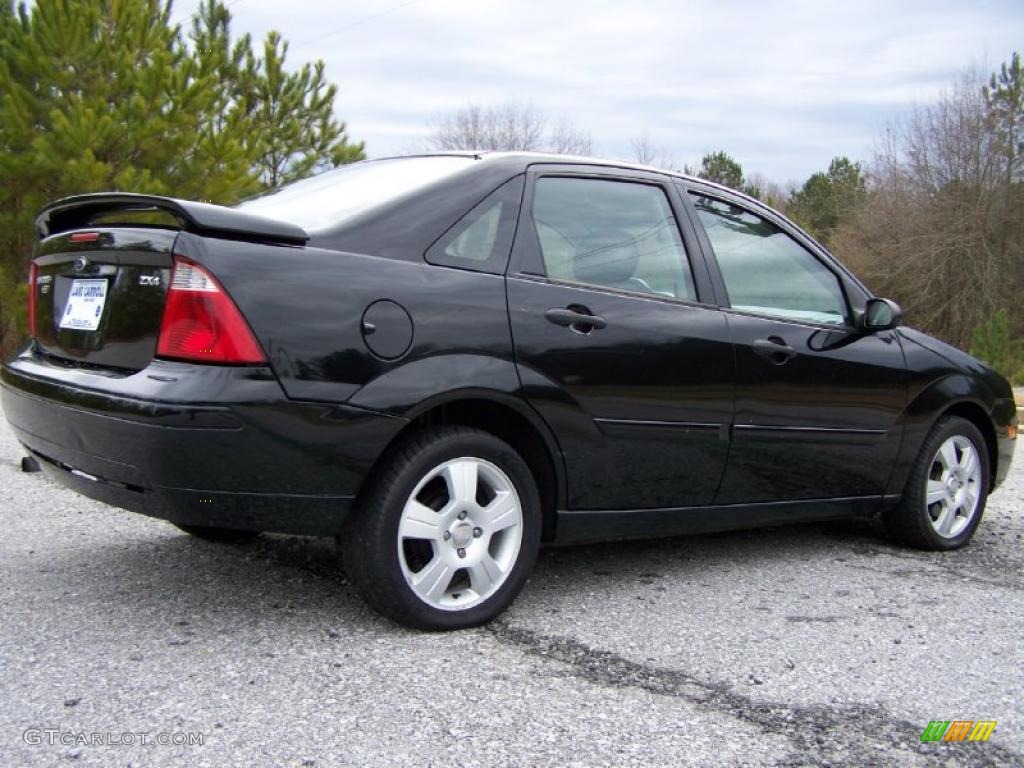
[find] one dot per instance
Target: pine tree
(289, 116)
(108, 94)
(1004, 96)
(722, 169)
(284, 120)
(826, 199)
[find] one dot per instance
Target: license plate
(85, 305)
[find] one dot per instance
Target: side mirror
(881, 315)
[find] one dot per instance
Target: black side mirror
(881, 315)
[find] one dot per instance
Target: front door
(614, 344)
(817, 400)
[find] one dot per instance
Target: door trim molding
(850, 436)
(658, 423)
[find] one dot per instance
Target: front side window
(765, 270)
(615, 234)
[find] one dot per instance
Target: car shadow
(169, 575)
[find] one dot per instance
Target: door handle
(774, 349)
(576, 319)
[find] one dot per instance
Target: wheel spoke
(968, 461)
(461, 477)
(432, 582)
(947, 455)
(945, 522)
(501, 513)
(484, 574)
(937, 492)
(419, 522)
(967, 502)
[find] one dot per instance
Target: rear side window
(482, 239)
(765, 270)
(616, 234)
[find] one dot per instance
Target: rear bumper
(194, 444)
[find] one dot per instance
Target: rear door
(617, 341)
(99, 295)
(817, 400)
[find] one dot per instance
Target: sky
(781, 85)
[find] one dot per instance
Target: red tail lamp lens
(201, 323)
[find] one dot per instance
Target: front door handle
(575, 318)
(774, 349)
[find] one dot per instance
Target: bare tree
(567, 139)
(771, 193)
(647, 152)
(943, 227)
(507, 127)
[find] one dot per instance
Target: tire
(219, 535)
(959, 493)
(462, 557)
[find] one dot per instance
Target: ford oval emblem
(80, 264)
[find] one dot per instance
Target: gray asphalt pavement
(808, 645)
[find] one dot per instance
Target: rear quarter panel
(306, 307)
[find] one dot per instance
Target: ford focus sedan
(445, 361)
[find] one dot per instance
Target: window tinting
(611, 233)
(331, 198)
(765, 270)
(481, 240)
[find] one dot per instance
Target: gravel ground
(806, 645)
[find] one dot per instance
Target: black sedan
(447, 360)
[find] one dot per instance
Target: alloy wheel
(953, 486)
(460, 533)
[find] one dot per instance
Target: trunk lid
(100, 293)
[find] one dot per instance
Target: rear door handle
(774, 349)
(579, 320)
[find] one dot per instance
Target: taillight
(201, 323)
(33, 273)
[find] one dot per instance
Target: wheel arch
(973, 412)
(507, 418)
(954, 394)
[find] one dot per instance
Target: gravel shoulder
(806, 645)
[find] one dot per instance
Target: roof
(529, 157)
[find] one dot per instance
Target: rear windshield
(332, 197)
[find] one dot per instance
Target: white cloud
(782, 86)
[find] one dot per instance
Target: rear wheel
(945, 496)
(220, 535)
(448, 531)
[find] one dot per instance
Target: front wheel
(946, 493)
(448, 531)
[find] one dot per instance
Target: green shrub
(13, 317)
(991, 341)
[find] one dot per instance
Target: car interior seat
(611, 262)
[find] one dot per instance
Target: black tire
(910, 522)
(369, 541)
(219, 535)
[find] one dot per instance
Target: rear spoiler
(202, 218)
